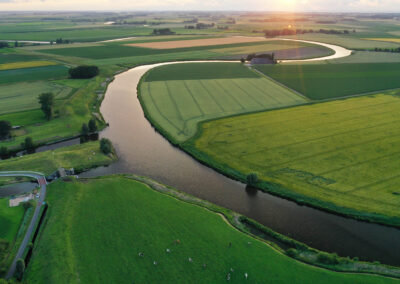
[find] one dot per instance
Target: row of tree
(165, 31)
(200, 26)
(288, 31)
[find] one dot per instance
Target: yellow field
(343, 152)
(385, 39)
(26, 64)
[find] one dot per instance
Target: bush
(84, 72)
(105, 146)
(20, 268)
(28, 145)
(252, 179)
(292, 252)
(327, 258)
(5, 129)
(92, 126)
(4, 153)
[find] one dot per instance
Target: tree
(92, 126)
(46, 101)
(83, 72)
(242, 60)
(84, 129)
(20, 268)
(4, 152)
(5, 129)
(252, 179)
(28, 144)
(16, 44)
(105, 146)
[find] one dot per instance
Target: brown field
(197, 42)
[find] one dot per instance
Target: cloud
(238, 5)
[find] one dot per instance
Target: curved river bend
(144, 151)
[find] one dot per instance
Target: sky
(205, 5)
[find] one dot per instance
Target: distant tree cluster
(270, 56)
(271, 20)
(288, 31)
(394, 50)
(165, 31)
(200, 26)
(193, 21)
(3, 44)
(63, 41)
(83, 72)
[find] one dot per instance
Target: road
(41, 179)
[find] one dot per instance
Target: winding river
(142, 150)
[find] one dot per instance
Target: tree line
(288, 31)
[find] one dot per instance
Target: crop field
(326, 81)
(179, 96)
(10, 220)
(16, 57)
(396, 40)
(24, 96)
(345, 41)
(26, 64)
(120, 50)
(33, 74)
(153, 222)
(198, 42)
(342, 152)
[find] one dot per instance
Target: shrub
(252, 179)
(84, 129)
(105, 146)
(92, 126)
(28, 144)
(4, 153)
(20, 268)
(5, 129)
(327, 258)
(46, 101)
(84, 72)
(292, 252)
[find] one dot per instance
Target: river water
(144, 151)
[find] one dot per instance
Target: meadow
(24, 96)
(340, 155)
(177, 97)
(10, 220)
(79, 157)
(33, 74)
(327, 81)
(175, 237)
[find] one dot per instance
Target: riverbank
(174, 249)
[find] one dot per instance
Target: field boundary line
(229, 94)
(156, 106)
(193, 97)
(245, 92)
(208, 92)
(280, 84)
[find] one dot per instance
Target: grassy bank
(177, 235)
(79, 157)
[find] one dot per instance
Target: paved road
(41, 179)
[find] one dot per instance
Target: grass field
(342, 153)
(83, 156)
(24, 96)
(11, 57)
(326, 81)
(177, 97)
(26, 64)
(10, 220)
(24, 117)
(33, 74)
(134, 219)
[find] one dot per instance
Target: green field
(24, 117)
(134, 219)
(194, 92)
(10, 220)
(326, 81)
(83, 156)
(24, 96)
(340, 155)
(33, 74)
